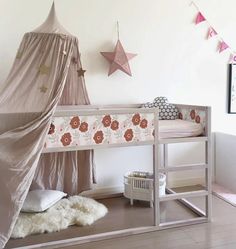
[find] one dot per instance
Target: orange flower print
(75, 122)
(83, 127)
(106, 121)
(180, 115)
(115, 125)
(136, 119)
(128, 135)
(51, 129)
(198, 119)
(192, 114)
(143, 123)
(98, 137)
(66, 139)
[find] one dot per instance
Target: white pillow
(40, 200)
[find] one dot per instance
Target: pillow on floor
(41, 200)
(167, 111)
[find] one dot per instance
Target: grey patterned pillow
(167, 111)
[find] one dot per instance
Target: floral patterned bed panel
(194, 115)
(100, 130)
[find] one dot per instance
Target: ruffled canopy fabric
(43, 75)
(51, 24)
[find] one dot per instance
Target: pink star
(119, 59)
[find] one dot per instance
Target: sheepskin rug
(76, 210)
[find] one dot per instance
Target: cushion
(40, 200)
(167, 111)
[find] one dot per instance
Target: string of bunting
(222, 46)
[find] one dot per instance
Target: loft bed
(93, 127)
(50, 58)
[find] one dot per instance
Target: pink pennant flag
(199, 18)
(232, 58)
(222, 46)
(211, 33)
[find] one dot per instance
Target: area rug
(76, 210)
(225, 194)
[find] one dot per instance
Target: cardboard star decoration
(119, 59)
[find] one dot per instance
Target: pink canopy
(44, 74)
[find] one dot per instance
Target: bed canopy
(46, 73)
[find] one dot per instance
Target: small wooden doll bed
(93, 127)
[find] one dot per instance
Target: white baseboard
(104, 192)
(186, 182)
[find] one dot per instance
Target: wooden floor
(219, 234)
(121, 215)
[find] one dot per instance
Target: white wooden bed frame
(157, 143)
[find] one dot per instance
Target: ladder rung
(186, 222)
(177, 196)
(184, 167)
(182, 140)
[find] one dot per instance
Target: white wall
(174, 59)
(225, 174)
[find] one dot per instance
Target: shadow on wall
(182, 154)
(225, 160)
(95, 63)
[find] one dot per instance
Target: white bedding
(179, 128)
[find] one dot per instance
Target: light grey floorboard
(219, 234)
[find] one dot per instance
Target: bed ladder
(202, 216)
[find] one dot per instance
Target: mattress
(179, 128)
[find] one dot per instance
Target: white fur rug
(75, 210)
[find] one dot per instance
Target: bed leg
(151, 204)
(156, 167)
(208, 170)
(208, 181)
(131, 202)
(165, 162)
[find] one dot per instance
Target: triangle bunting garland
(222, 46)
(200, 18)
(211, 33)
(232, 58)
